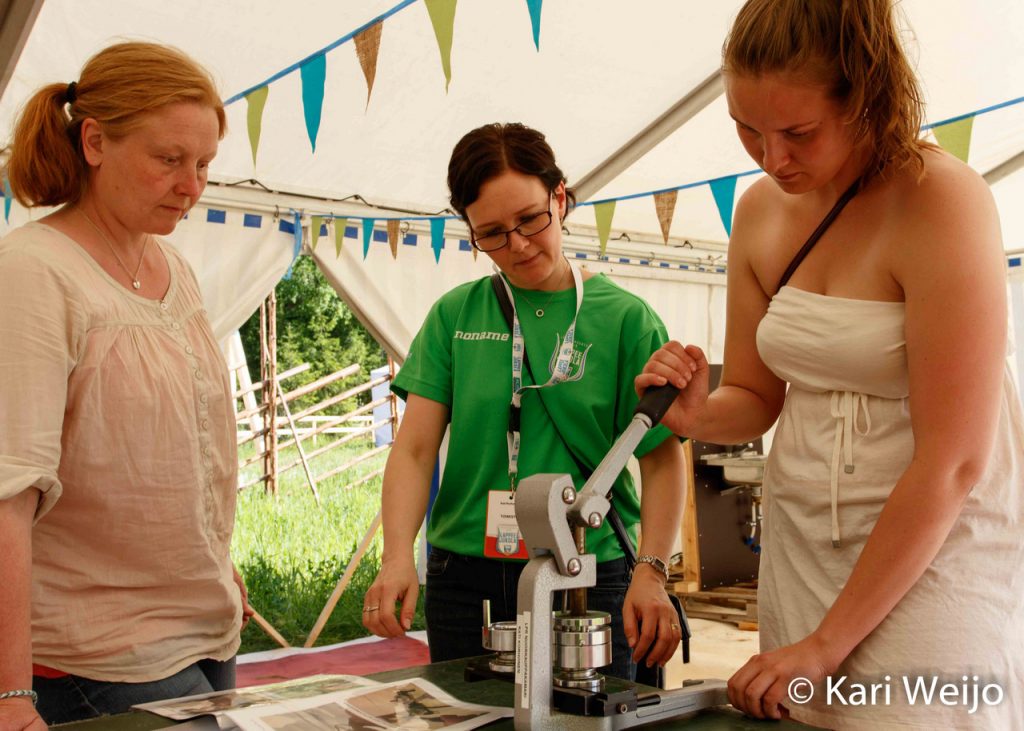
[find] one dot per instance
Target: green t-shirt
(462, 357)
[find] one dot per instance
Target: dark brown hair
(117, 87)
(488, 151)
(853, 47)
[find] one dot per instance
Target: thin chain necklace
(539, 311)
(136, 284)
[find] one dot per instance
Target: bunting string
(325, 50)
(953, 134)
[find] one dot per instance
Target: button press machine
(554, 656)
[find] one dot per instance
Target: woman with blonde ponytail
(867, 314)
(117, 447)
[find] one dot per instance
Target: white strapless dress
(842, 441)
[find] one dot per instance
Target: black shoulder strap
(819, 232)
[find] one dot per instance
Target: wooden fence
(266, 419)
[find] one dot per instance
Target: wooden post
(298, 445)
(264, 440)
(691, 545)
(268, 373)
(269, 629)
(393, 398)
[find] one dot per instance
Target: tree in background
(314, 326)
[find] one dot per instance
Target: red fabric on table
(359, 659)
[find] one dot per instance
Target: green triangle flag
(314, 231)
(955, 137)
(442, 17)
(339, 234)
(603, 213)
(255, 100)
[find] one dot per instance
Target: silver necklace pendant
(539, 312)
(136, 284)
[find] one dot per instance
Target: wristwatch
(655, 562)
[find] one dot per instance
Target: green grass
(292, 553)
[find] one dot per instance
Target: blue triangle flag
(437, 237)
(314, 73)
(534, 7)
(367, 235)
(724, 191)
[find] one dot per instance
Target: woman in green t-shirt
(595, 337)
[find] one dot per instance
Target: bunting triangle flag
(724, 191)
(437, 237)
(665, 205)
(955, 137)
(339, 235)
(314, 231)
(603, 213)
(393, 231)
(255, 102)
(534, 7)
(442, 17)
(314, 73)
(367, 46)
(367, 235)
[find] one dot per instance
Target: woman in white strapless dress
(892, 574)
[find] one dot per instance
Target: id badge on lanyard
(502, 538)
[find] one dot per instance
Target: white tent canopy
(628, 95)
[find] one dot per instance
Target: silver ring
(374, 608)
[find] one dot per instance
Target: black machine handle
(656, 401)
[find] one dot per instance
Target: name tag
(501, 536)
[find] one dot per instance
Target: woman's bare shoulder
(946, 211)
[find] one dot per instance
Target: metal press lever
(591, 505)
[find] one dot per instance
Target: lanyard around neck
(559, 374)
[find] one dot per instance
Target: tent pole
(1005, 169)
(16, 21)
(649, 137)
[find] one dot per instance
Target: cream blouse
(117, 409)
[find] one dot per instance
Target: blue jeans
(457, 586)
(73, 698)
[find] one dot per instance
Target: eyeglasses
(530, 226)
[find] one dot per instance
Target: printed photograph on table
(418, 704)
(327, 716)
(182, 709)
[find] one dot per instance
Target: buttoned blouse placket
(175, 322)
